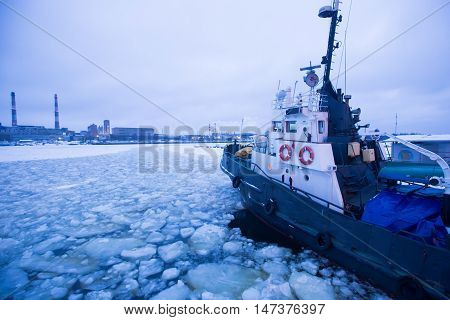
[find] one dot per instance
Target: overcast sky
(207, 61)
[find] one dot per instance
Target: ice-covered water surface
(111, 227)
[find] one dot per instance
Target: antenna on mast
(396, 122)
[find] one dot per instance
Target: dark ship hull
(401, 265)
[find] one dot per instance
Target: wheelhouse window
(277, 126)
(291, 126)
(321, 125)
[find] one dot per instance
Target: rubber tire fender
(270, 207)
(409, 289)
(323, 241)
(236, 182)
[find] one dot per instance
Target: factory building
(141, 134)
(36, 133)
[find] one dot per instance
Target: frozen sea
(149, 222)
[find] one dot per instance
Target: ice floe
(104, 248)
(150, 267)
(207, 238)
(179, 291)
(170, 274)
(309, 287)
(226, 279)
(173, 251)
(139, 253)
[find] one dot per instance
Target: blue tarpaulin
(407, 212)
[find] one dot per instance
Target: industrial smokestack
(56, 112)
(13, 110)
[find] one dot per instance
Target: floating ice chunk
(171, 230)
(151, 267)
(201, 215)
(272, 252)
(232, 247)
(340, 273)
(207, 238)
(196, 222)
(170, 274)
(226, 279)
(309, 287)
(123, 267)
(178, 291)
(63, 264)
(7, 248)
(53, 243)
(152, 287)
(120, 219)
(75, 296)
(92, 229)
(239, 206)
(139, 253)
(102, 208)
(276, 291)
(233, 260)
(186, 232)
(310, 267)
(379, 296)
(358, 288)
(327, 272)
(206, 295)
(173, 251)
(251, 294)
(337, 282)
(88, 279)
(7, 243)
(99, 295)
(128, 289)
(104, 248)
(275, 268)
(346, 292)
(58, 292)
(155, 237)
(41, 228)
(11, 279)
(153, 223)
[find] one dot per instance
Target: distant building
(36, 133)
(106, 127)
(142, 134)
(92, 131)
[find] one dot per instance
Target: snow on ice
(99, 222)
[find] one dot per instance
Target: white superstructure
(296, 151)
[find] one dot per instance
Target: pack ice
(115, 225)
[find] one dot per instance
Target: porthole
(306, 177)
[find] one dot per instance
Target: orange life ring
(310, 159)
(285, 157)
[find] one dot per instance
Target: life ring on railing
(306, 151)
(285, 156)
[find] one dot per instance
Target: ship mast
(330, 12)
